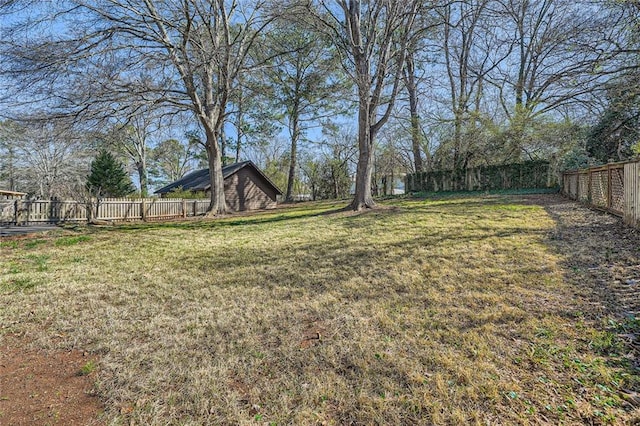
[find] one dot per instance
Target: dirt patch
(313, 335)
(46, 387)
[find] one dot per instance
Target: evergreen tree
(616, 136)
(108, 177)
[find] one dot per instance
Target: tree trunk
(392, 185)
(239, 128)
(12, 180)
(457, 150)
(218, 203)
(295, 134)
(412, 89)
(223, 146)
(141, 168)
(362, 198)
(335, 182)
(238, 147)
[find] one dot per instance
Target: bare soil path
(40, 387)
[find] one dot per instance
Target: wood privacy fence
(112, 209)
(530, 174)
(614, 187)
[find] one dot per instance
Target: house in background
(245, 186)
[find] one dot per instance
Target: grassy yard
(448, 311)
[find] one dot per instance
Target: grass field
(445, 311)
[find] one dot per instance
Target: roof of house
(13, 193)
(199, 180)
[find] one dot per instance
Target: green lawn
(448, 311)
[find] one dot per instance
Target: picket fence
(20, 212)
(614, 187)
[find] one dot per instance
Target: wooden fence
(614, 187)
(111, 209)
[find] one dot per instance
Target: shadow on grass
(599, 252)
(328, 261)
(476, 194)
(601, 258)
(413, 268)
(285, 213)
(260, 218)
(306, 210)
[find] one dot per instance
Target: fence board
(169, 208)
(37, 210)
(599, 189)
(119, 209)
(573, 185)
(584, 184)
(616, 190)
(113, 209)
(201, 206)
(614, 187)
(632, 194)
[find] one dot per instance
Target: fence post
(143, 211)
(25, 212)
(17, 206)
(590, 187)
(609, 192)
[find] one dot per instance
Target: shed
(245, 186)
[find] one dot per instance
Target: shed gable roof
(199, 180)
(12, 193)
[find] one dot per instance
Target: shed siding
(245, 190)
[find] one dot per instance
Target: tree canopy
(454, 84)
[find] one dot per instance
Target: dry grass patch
(453, 311)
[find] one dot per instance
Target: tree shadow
(253, 218)
(601, 259)
(311, 264)
(599, 253)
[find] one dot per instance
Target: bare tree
(52, 159)
(411, 85)
(185, 55)
(372, 37)
(131, 136)
(422, 45)
(10, 135)
(469, 48)
(560, 50)
(136, 145)
(329, 172)
(305, 85)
